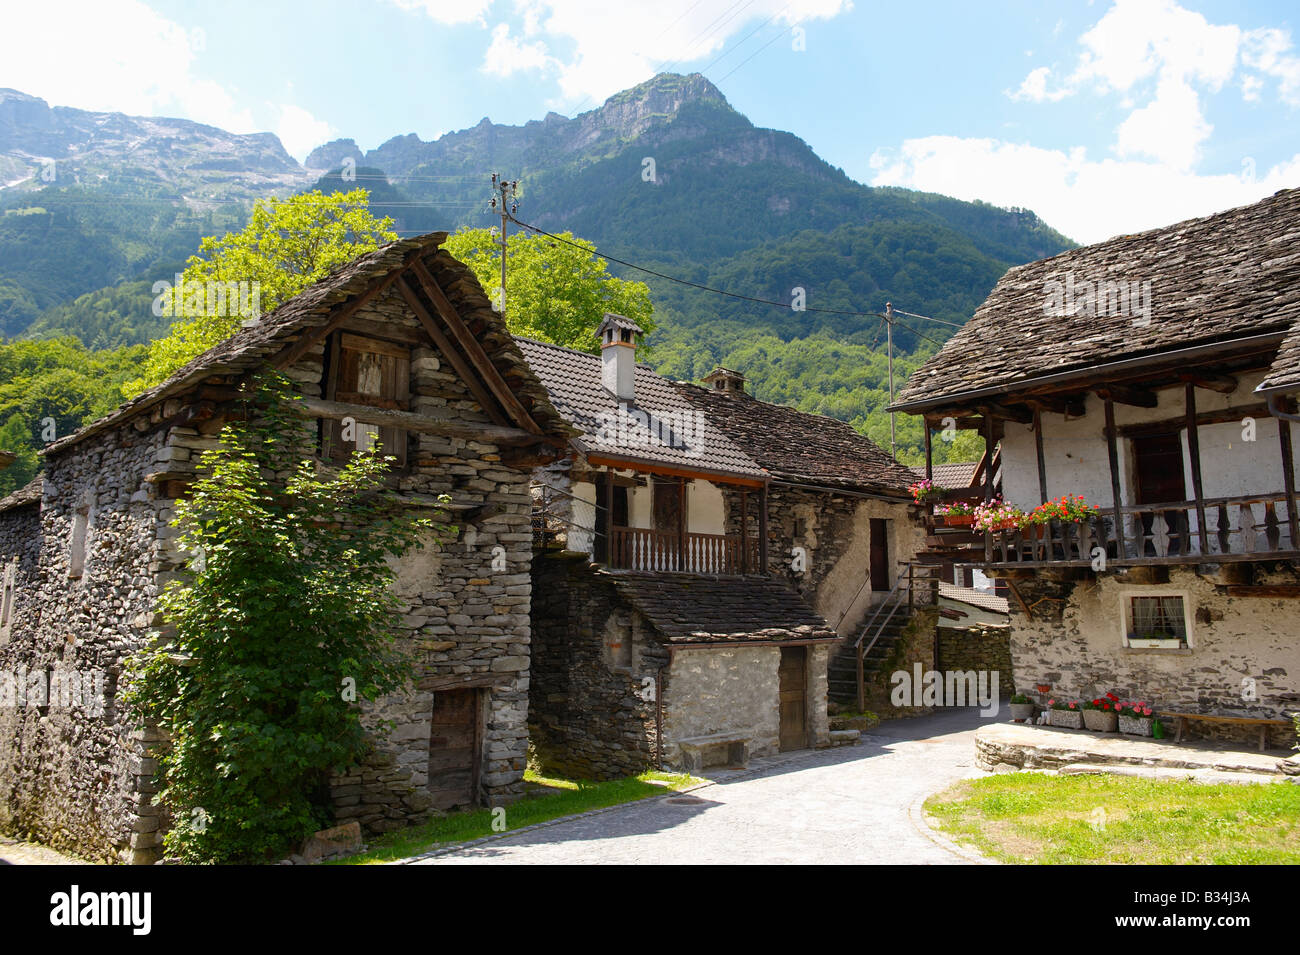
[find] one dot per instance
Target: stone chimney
(618, 355)
(726, 381)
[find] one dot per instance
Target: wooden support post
(1038, 447)
(988, 479)
(1112, 452)
(762, 530)
(744, 531)
(609, 517)
(681, 525)
(1194, 452)
(1288, 475)
(929, 452)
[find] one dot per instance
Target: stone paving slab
(848, 805)
(1004, 746)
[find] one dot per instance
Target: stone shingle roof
(950, 475)
(976, 598)
(256, 342)
(28, 494)
(688, 609)
(1225, 276)
(1284, 375)
(573, 379)
(800, 447)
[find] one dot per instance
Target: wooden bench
(701, 751)
(1262, 722)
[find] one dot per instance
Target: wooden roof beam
(409, 421)
(1223, 384)
(1128, 395)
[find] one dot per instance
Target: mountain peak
(668, 92)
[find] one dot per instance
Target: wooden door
(454, 737)
(1158, 460)
(879, 556)
(793, 691)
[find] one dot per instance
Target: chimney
(726, 381)
(618, 355)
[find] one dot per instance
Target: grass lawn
(1036, 818)
(548, 798)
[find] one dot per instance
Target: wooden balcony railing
(636, 548)
(1252, 527)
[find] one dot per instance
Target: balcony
(637, 548)
(1252, 527)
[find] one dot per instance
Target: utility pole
(889, 323)
(508, 192)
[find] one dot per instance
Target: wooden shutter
(368, 371)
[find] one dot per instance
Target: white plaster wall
(1074, 450)
(582, 533)
(706, 511)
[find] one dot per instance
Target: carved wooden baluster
(1224, 529)
(1184, 533)
(1160, 533)
(1246, 518)
(1272, 532)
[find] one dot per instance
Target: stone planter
(1136, 725)
(1101, 721)
(1022, 712)
(1068, 719)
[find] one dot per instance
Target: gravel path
(854, 804)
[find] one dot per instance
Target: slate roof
(28, 494)
(976, 598)
(1225, 276)
(1284, 375)
(257, 341)
(800, 447)
(689, 609)
(574, 381)
(950, 475)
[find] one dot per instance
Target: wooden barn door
(793, 680)
(879, 557)
(454, 743)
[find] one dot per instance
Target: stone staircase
(842, 672)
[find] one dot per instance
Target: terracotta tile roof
(573, 379)
(684, 608)
(28, 494)
(950, 475)
(1225, 276)
(1284, 374)
(800, 447)
(976, 598)
(257, 341)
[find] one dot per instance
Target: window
(371, 372)
(8, 595)
(77, 543)
(1156, 620)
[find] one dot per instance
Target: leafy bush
(286, 620)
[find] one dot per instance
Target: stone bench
(719, 749)
(1263, 722)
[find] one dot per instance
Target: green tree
(287, 245)
(556, 291)
(286, 619)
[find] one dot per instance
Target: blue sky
(1103, 117)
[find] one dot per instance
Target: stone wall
(1074, 642)
(79, 777)
(592, 712)
(979, 648)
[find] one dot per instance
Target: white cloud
(595, 48)
(121, 57)
(448, 11)
(1170, 128)
(301, 132)
(1088, 200)
(1034, 88)
(507, 54)
(1270, 52)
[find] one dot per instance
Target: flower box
(958, 520)
(1022, 712)
(1100, 721)
(1136, 725)
(1068, 719)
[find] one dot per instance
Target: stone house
(1152, 374)
(700, 555)
(402, 343)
